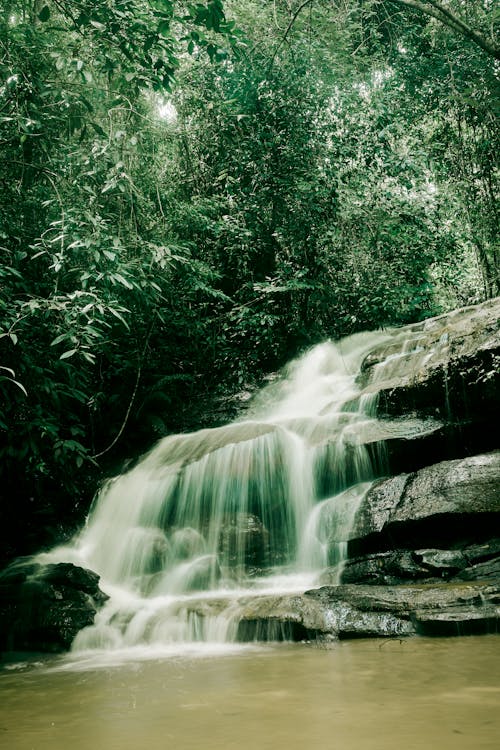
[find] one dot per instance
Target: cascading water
(261, 505)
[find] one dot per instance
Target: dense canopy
(191, 193)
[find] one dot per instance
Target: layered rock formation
(424, 549)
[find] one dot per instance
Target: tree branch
(434, 8)
(289, 28)
(443, 14)
(132, 398)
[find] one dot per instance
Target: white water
(262, 505)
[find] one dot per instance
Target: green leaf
(44, 14)
(164, 28)
(58, 339)
(21, 386)
(98, 129)
(68, 354)
(123, 281)
(119, 316)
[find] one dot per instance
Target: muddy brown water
(380, 695)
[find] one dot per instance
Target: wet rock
(447, 364)
(73, 577)
(398, 566)
(457, 621)
(452, 501)
(300, 617)
(470, 485)
(445, 441)
(427, 565)
(341, 621)
(336, 514)
(378, 505)
(349, 622)
(404, 600)
(356, 611)
(490, 569)
(442, 562)
(244, 541)
(42, 607)
(476, 553)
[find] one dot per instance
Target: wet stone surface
(43, 607)
(451, 501)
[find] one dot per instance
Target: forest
(193, 193)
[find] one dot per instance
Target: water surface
(380, 695)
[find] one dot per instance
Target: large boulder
(455, 609)
(450, 503)
(42, 607)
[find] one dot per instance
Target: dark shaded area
(31, 522)
(440, 530)
(467, 389)
(457, 622)
(478, 562)
(452, 440)
(273, 630)
(42, 607)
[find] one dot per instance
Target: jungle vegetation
(192, 193)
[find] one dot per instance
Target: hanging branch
(432, 8)
(132, 398)
(443, 14)
(288, 29)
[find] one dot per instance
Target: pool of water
(373, 694)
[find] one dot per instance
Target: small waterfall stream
(262, 505)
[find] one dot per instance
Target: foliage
(329, 169)
(87, 271)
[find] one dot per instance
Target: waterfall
(261, 505)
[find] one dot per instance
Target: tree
(86, 275)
